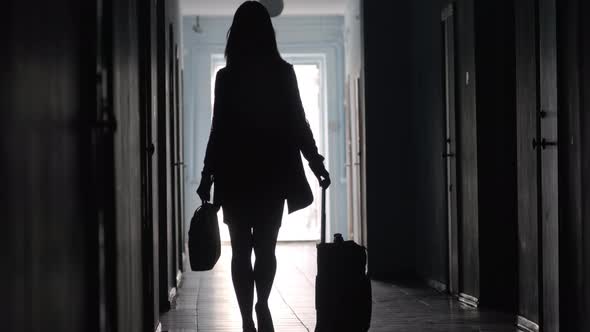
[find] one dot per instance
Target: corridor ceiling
(292, 7)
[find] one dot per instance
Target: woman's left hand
(204, 190)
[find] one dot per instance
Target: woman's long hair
(251, 35)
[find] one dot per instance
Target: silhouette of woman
(253, 156)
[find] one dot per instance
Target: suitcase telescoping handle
(323, 236)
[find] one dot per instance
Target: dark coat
(258, 133)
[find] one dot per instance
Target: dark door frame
(527, 104)
(537, 112)
(163, 153)
(149, 177)
(585, 148)
(179, 164)
(547, 155)
(173, 143)
(103, 154)
(450, 145)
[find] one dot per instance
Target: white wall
(354, 119)
(320, 34)
(352, 37)
(291, 7)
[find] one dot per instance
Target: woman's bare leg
(265, 266)
(265, 241)
(242, 273)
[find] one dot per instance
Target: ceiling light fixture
(274, 7)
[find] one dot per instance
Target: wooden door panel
(585, 154)
(178, 165)
(154, 160)
(526, 122)
(450, 142)
(164, 162)
(182, 166)
(356, 158)
(537, 163)
(53, 191)
(467, 133)
(172, 253)
(547, 115)
(148, 81)
(348, 164)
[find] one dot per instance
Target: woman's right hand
(324, 178)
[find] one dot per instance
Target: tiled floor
(206, 302)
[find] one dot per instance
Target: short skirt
(248, 212)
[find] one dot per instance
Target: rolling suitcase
(342, 288)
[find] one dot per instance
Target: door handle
(448, 155)
(150, 149)
(107, 123)
(544, 143)
(547, 113)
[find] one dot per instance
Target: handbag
(204, 243)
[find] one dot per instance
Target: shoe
(264, 318)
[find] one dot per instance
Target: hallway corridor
(456, 135)
(206, 302)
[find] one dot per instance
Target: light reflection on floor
(206, 300)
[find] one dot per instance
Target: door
(526, 124)
(163, 152)
(103, 154)
(354, 141)
(546, 146)
(179, 163)
(450, 144)
(149, 175)
(538, 224)
(585, 152)
(172, 139)
(57, 185)
(348, 164)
